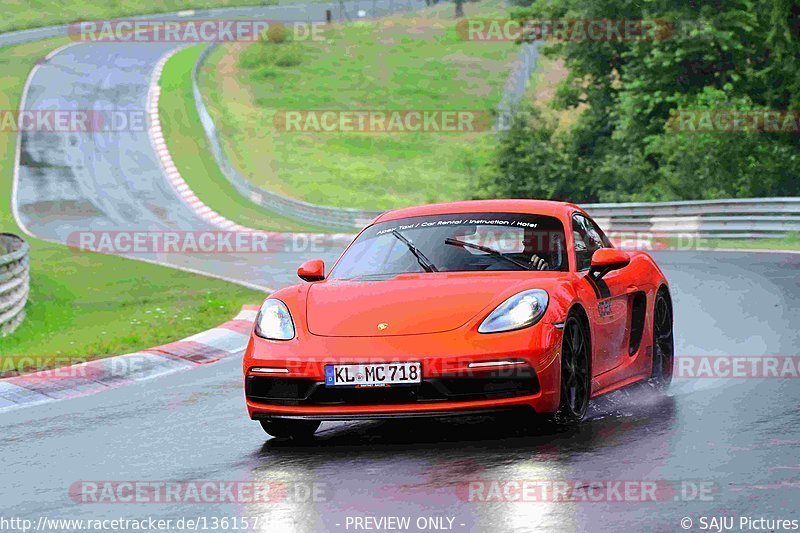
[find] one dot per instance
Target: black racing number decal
(599, 286)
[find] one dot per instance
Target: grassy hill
(405, 62)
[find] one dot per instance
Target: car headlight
(274, 321)
(520, 311)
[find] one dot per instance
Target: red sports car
(460, 308)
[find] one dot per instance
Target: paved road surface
(742, 436)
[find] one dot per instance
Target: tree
(737, 53)
(530, 163)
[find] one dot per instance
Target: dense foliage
(718, 55)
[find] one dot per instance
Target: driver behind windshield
(456, 243)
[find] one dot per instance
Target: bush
(276, 33)
(725, 164)
(288, 56)
(530, 162)
(255, 55)
(626, 177)
(264, 57)
(264, 72)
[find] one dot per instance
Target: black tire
(288, 428)
(575, 383)
(663, 342)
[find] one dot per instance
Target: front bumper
(390, 416)
(449, 385)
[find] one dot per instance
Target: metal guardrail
(750, 218)
(517, 83)
(14, 282)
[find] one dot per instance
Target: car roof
(536, 207)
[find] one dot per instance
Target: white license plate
(373, 375)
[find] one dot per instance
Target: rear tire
(575, 380)
(663, 342)
(288, 428)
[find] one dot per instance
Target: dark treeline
(714, 56)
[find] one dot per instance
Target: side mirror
(605, 260)
(313, 270)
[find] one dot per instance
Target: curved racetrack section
(109, 181)
(741, 435)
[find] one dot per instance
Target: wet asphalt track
(112, 181)
(742, 435)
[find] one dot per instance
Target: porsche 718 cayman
(460, 308)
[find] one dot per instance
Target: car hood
(409, 304)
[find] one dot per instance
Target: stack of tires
(14, 282)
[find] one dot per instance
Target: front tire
(575, 382)
(663, 342)
(288, 428)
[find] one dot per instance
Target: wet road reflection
(423, 468)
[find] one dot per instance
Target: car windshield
(456, 243)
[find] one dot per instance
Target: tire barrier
(14, 282)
